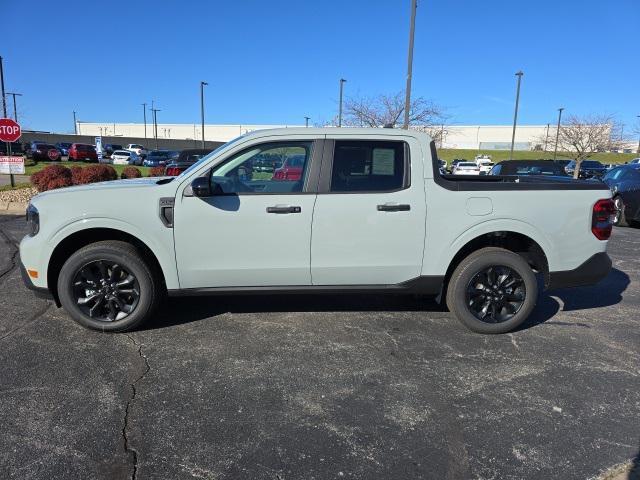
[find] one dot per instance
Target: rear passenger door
(369, 219)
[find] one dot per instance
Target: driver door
(255, 228)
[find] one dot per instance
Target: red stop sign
(9, 130)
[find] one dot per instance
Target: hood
(129, 184)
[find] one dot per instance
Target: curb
(13, 208)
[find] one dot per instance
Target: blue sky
(277, 61)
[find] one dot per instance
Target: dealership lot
(322, 387)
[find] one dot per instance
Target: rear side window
(368, 166)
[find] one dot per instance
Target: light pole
(155, 124)
(144, 116)
(306, 121)
(407, 98)
(555, 150)
(515, 114)
(638, 152)
(4, 109)
(202, 84)
(342, 82)
(75, 123)
(546, 138)
(15, 108)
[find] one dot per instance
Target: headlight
(33, 220)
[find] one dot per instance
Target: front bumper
(589, 273)
(40, 292)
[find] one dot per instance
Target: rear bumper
(589, 273)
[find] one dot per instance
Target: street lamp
(15, 108)
(202, 84)
(306, 121)
(546, 138)
(144, 116)
(75, 123)
(638, 152)
(342, 82)
(555, 150)
(407, 98)
(515, 114)
(155, 124)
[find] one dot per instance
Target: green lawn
(499, 155)
(31, 169)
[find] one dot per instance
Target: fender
(163, 250)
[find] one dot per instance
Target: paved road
(322, 387)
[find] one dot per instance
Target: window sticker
(383, 161)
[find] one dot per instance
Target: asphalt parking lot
(299, 387)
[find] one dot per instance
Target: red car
(291, 168)
(80, 151)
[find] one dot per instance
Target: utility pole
(515, 115)
(306, 121)
(407, 98)
(75, 124)
(4, 109)
(202, 84)
(15, 108)
(342, 82)
(144, 116)
(555, 150)
(546, 138)
(638, 152)
(155, 125)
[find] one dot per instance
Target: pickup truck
(370, 212)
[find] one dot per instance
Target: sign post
(99, 148)
(10, 131)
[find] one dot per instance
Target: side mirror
(201, 187)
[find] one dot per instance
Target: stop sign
(9, 130)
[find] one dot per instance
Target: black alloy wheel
(496, 294)
(106, 291)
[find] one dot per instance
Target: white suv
(138, 149)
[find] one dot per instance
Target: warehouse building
(486, 137)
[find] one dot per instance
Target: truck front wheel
(493, 290)
(108, 286)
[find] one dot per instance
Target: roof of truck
(352, 131)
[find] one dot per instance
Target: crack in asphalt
(13, 260)
(127, 446)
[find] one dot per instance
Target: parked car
(82, 152)
(186, 159)
(528, 167)
(563, 162)
(63, 148)
(43, 152)
(156, 158)
(634, 161)
(465, 168)
(124, 157)
(624, 182)
(588, 169)
(109, 148)
(291, 168)
(455, 162)
(138, 149)
(485, 165)
(365, 199)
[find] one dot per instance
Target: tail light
(172, 172)
(604, 212)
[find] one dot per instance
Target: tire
(463, 292)
(120, 261)
(620, 219)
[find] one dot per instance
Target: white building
(487, 137)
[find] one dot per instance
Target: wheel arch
(81, 238)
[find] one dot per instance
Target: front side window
(279, 167)
(368, 166)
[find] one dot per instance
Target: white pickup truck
(365, 210)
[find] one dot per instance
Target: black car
(528, 167)
(109, 148)
(588, 169)
(63, 148)
(43, 152)
(624, 182)
(157, 158)
(185, 160)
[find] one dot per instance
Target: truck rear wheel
(108, 286)
(493, 290)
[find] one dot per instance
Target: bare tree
(584, 136)
(388, 111)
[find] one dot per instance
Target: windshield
(204, 159)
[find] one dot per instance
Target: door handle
(394, 207)
(284, 209)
